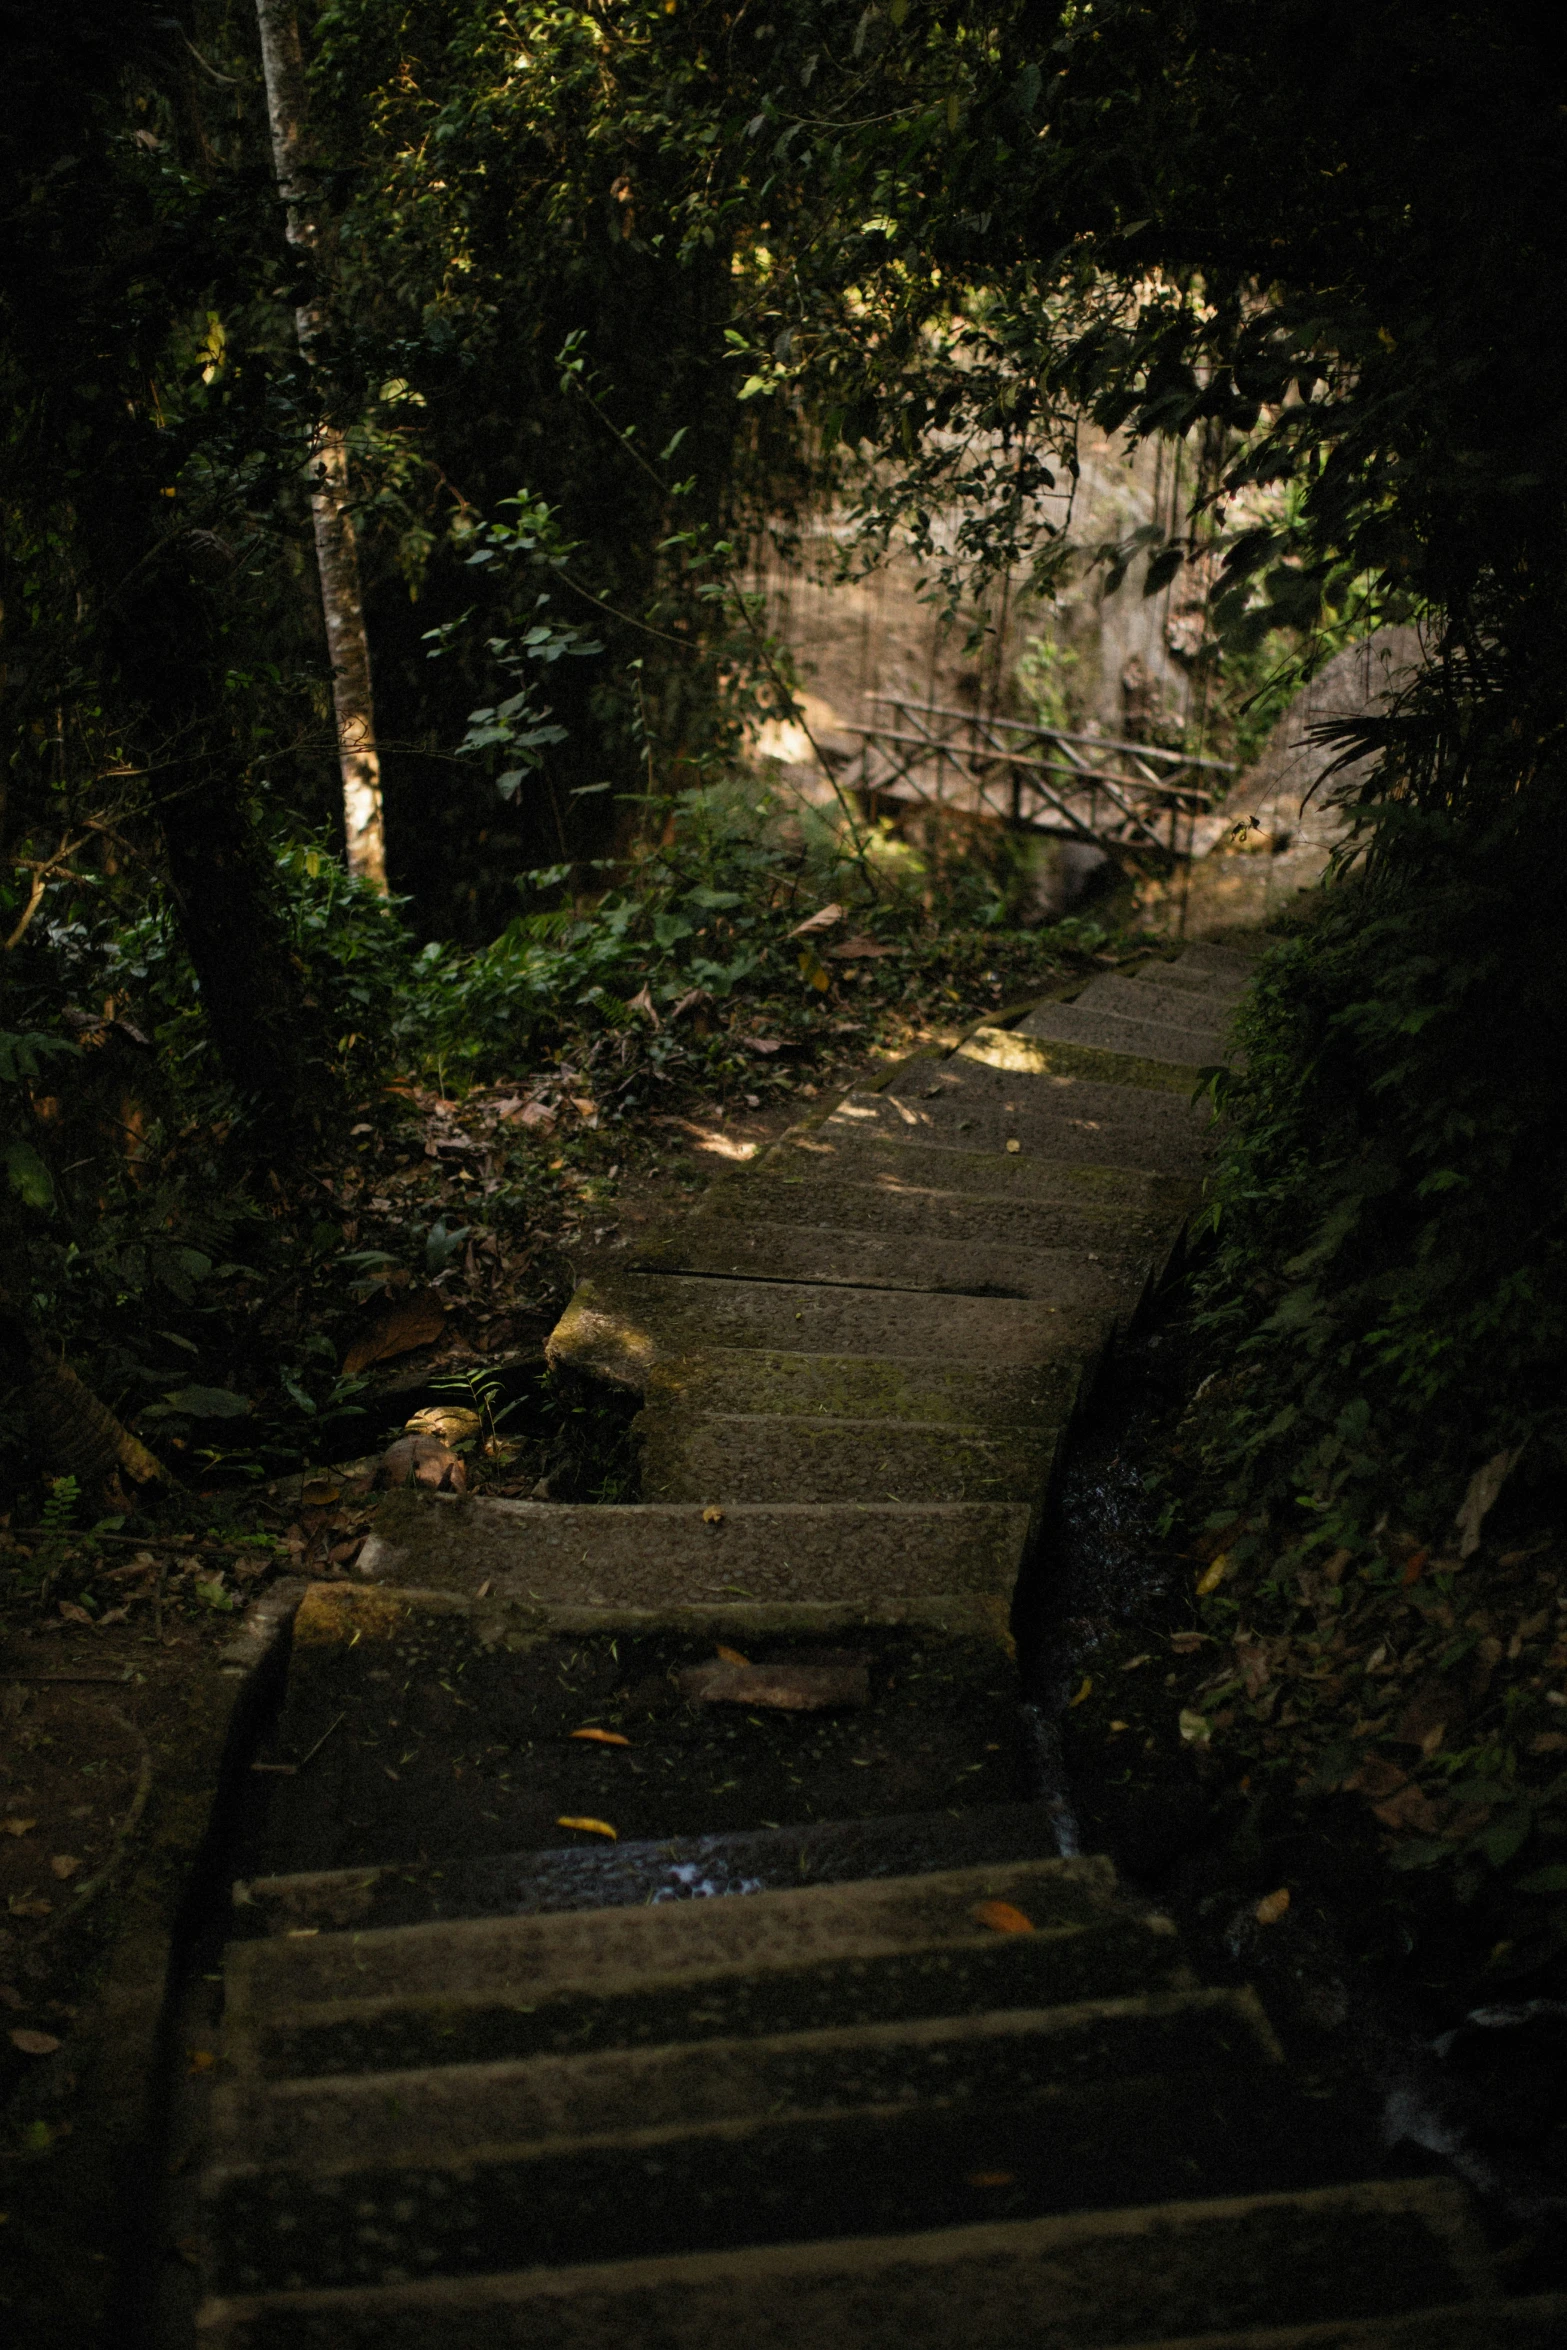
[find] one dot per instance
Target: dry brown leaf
(202, 2060)
(65, 1864)
(779, 1688)
(1085, 1690)
(1195, 1728)
(1002, 1918)
(712, 1516)
(859, 950)
(10, 1996)
(72, 1614)
(537, 1114)
(422, 1460)
(823, 919)
(416, 1319)
(19, 1827)
(34, 2043)
(1272, 1907)
(1187, 1643)
(602, 1737)
(584, 1107)
(1213, 1574)
(28, 1905)
(732, 1656)
(588, 1827)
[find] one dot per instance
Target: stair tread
(1081, 2281)
(673, 1877)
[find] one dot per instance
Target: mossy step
(1089, 1025)
(619, 1325)
(1001, 2134)
(953, 1222)
(1211, 990)
(455, 2113)
(651, 1561)
(1337, 2267)
(761, 1250)
(885, 1155)
(851, 1387)
(712, 1456)
(975, 1108)
(676, 1875)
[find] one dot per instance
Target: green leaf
(27, 1174)
(208, 1403)
(1551, 1880)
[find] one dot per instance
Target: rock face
(1278, 827)
(592, 1989)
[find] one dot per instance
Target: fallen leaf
(991, 2178)
(642, 1002)
(712, 1516)
(1085, 1691)
(588, 1827)
(28, 1905)
(762, 1044)
(1002, 1918)
(858, 950)
(113, 1615)
(1435, 1705)
(1412, 1808)
(535, 1114)
(1120, 1726)
(65, 1864)
(823, 919)
(416, 1319)
(1480, 1495)
(70, 1613)
(422, 1460)
(1133, 1662)
(10, 1996)
(1195, 1728)
(1414, 1567)
(1548, 1742)
(34, 2043)
(1014, 1146)
(20, 1827)
(1272, 1906)
(584, 1107)
(202, 2060)
(779, 1688)
(732, 1656)
(602, 1737)
(1213, 1574)
(1187, 1643)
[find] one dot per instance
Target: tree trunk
(337, 554)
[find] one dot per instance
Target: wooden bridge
(1136, 802)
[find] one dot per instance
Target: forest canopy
(600, 298)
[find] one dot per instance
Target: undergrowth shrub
(1389, 1278)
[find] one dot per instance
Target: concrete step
(992, 2130)
(1392, 2265)
(480, 1991)
(1088, 1025)
(856, 1387)
(1212, 965)
(752, 1380)
(1103, 1126)
(763, 1249)
(647, 1563)
(445, 2114)
(619, 1325)
(713, 1456)
(1147, 998)
(901, 1214)
(674, 1875)
(886, 1155)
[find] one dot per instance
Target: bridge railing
(1134, 801)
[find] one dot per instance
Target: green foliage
(1390, 1276)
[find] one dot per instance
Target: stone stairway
(503, 2061)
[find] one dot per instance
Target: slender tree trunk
(337, 554)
